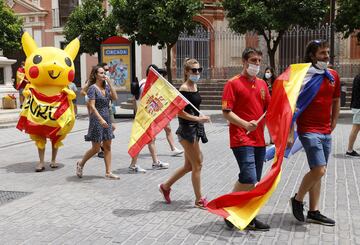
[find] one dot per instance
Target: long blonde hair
(187, 66)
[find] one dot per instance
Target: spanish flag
(21, 80)
(241, 207)
(44, 116)
(160, 102)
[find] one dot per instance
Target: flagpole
(172, 86)
(260, 118)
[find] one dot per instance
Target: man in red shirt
(314, 126)
(245, 99)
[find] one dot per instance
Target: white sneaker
(176, 152)
(136, 170)
(160, 165)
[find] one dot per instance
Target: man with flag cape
(317, 112)
(239, 208)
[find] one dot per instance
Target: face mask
(268, 75)
(253, 70)
(107, 73)
(322, 65)
(194, 78)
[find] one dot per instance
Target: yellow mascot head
(49, 66)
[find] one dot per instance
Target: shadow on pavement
(283, 221)
(29, 167)
(342, 156)
(85, 178)
(157, 206)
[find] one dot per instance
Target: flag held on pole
(160, 103)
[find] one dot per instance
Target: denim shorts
(250, 160)
(317, 147)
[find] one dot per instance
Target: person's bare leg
(309, 180)
(54, 152)
(90, 153)
(169, 137)
(41, 164)
(152, 149)
(178, 174)
(314, 196)
(352, 137)
(107, 156)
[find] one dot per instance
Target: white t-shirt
(141, 86)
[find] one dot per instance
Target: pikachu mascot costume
(48, 111)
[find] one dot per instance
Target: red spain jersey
(316, 118)
(248, 99)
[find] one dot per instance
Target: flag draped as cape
(241, 207)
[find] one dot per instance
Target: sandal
(39, 167)
(79, 170)
(54, 165)
(202, 203)
(111, 176)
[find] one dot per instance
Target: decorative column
(7, 87)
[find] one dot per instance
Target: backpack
(135, 88)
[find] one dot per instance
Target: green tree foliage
(154, 22)
(89, 20)
(347, 19)
(10, 29)
(272, 18)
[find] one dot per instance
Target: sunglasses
(194, 70)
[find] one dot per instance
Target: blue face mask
(194, 78)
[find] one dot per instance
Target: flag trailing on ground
(160, 102)
(241, 207)
(47, 116)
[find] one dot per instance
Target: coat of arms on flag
(160, 102)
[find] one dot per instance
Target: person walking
(269, 77)
(157, 163)
(245, 99)
(100, 130)
(355, 107)
(190, 131)
(314, 127)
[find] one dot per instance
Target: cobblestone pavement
(62, 209)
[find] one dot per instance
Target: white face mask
(268, 75)
(194, 78)
(322, 65)
(253, 70)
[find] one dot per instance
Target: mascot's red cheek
(34, 72)
(71, 75)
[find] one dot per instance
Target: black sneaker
(352, 154)
(101, 154)
(297, 208)
(257, 225)
(228, 224)
(318, 218)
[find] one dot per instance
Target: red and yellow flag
(47, 116)
(160, 102)
(241, 207)
(21, 80)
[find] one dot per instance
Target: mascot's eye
(68, 61)
(37, 59)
